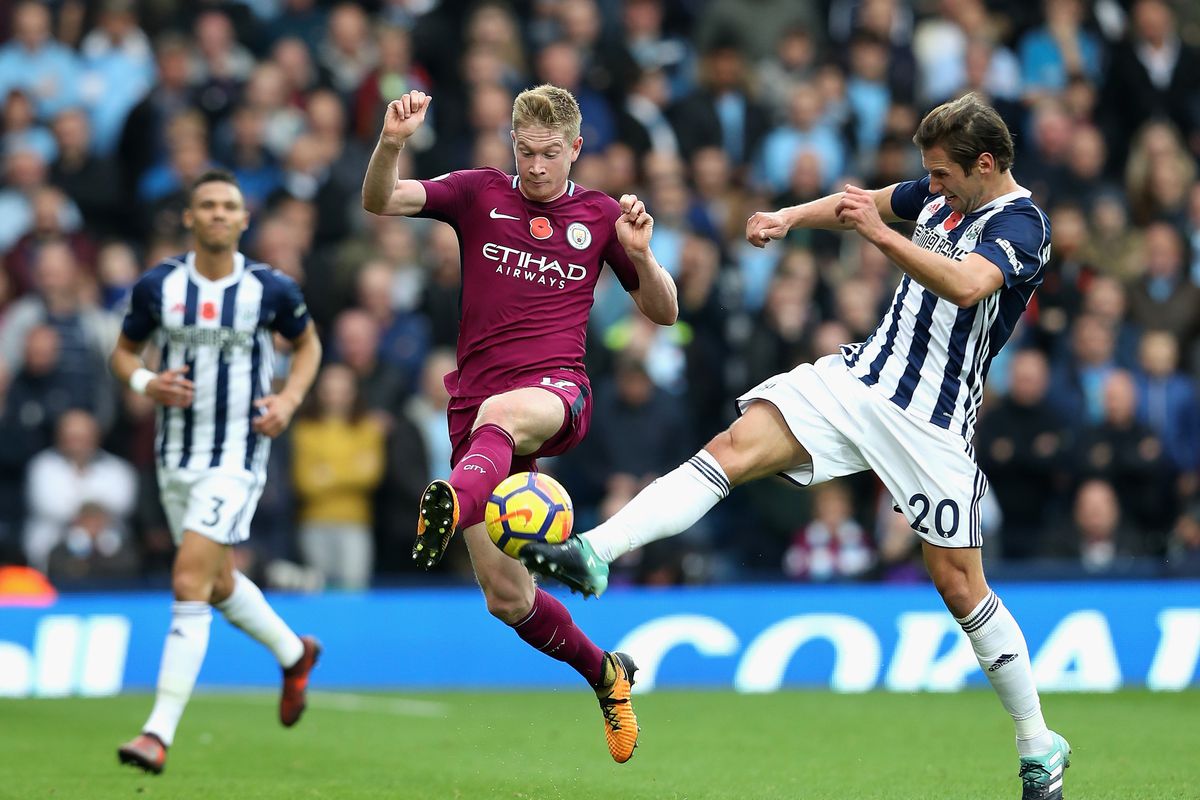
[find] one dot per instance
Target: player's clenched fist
(170, 388)
(403, 117)
(857, 208)
(763, 226)
(635, 225)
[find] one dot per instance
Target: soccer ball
(528, 507)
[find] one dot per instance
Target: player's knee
(502, 412)
(955, 588)
(189, 583)
(508, 602)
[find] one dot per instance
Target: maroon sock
(549, 628)
(486, 463)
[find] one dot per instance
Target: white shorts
(847, 427)
(215, 503)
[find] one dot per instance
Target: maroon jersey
(529, 271)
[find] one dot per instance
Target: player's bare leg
(517, 422)
(1003, 655)
(198, 563)
(757, 444)
(545, 624)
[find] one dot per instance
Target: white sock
(1000, 647)
(248, 609)
(670, 505)
(183, 653)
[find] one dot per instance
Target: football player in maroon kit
(532, 245)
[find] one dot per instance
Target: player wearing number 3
(212, 313)
(903, 403)
(533, 245)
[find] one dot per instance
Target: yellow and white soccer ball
(528, 507)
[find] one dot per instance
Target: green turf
(795, 745)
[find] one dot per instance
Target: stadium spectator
(1077, 378)
(24, 175)
(92, 182)
(356, 337)
(834, 545)
(347, 52)
(1163, 298)
(742, 24)
(1131, 457)
(54, 221)
(722, 111)
(337, 461)
(1183, 548)
(1101, 542)
(21, 129)
(806, 131)
(33, 61)
(1023, 448)
(62, 479)
(1058, 50)
(1168, 404)
(143, 140)
(1158, 173)
(1150, 74)
(404, 334)
(220, 66)
(85, 331)
(93, 549)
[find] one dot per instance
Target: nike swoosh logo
(495, 214)
(524, 513)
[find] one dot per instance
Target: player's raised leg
(197, 565)
(757, 444)
(1003, 655)
(544, 623)
(518, 422)
(243, 604)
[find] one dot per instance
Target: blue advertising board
(1082, 637)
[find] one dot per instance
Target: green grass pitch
(694, 745)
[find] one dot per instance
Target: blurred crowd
(708, 111)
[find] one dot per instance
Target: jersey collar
(1020, 192)
(239, 265)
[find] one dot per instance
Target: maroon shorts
(571, 386)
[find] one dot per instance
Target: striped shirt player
(221, 331)
(928, 356)
(904, 402)
(211, 314)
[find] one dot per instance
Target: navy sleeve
(909, 197)
(145, 307)
(289, 311)
(1017, 240)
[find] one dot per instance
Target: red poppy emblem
(209, 310)
(952, 221)
(539, 228)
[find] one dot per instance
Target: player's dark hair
(212, 176)
(967, 128)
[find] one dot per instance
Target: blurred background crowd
(709, 110)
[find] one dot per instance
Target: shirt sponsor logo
(539, 228)
(936, 242)
(532, 267)
(578, 236)
(225, 339)
(1007, 247)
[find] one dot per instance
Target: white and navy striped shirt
(928, 356)
(222, 331)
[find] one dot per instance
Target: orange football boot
(620, 723)
(436, 523)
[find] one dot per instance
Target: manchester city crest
(579, 236)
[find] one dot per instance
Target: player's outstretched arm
(275, 410)
(656, 295)
(167, 388)
(382, 192)
(763, 226)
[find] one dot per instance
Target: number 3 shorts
(217, 504)
(847, 427)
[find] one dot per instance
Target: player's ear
(576, 147)
(986, 163)
(188, 219)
